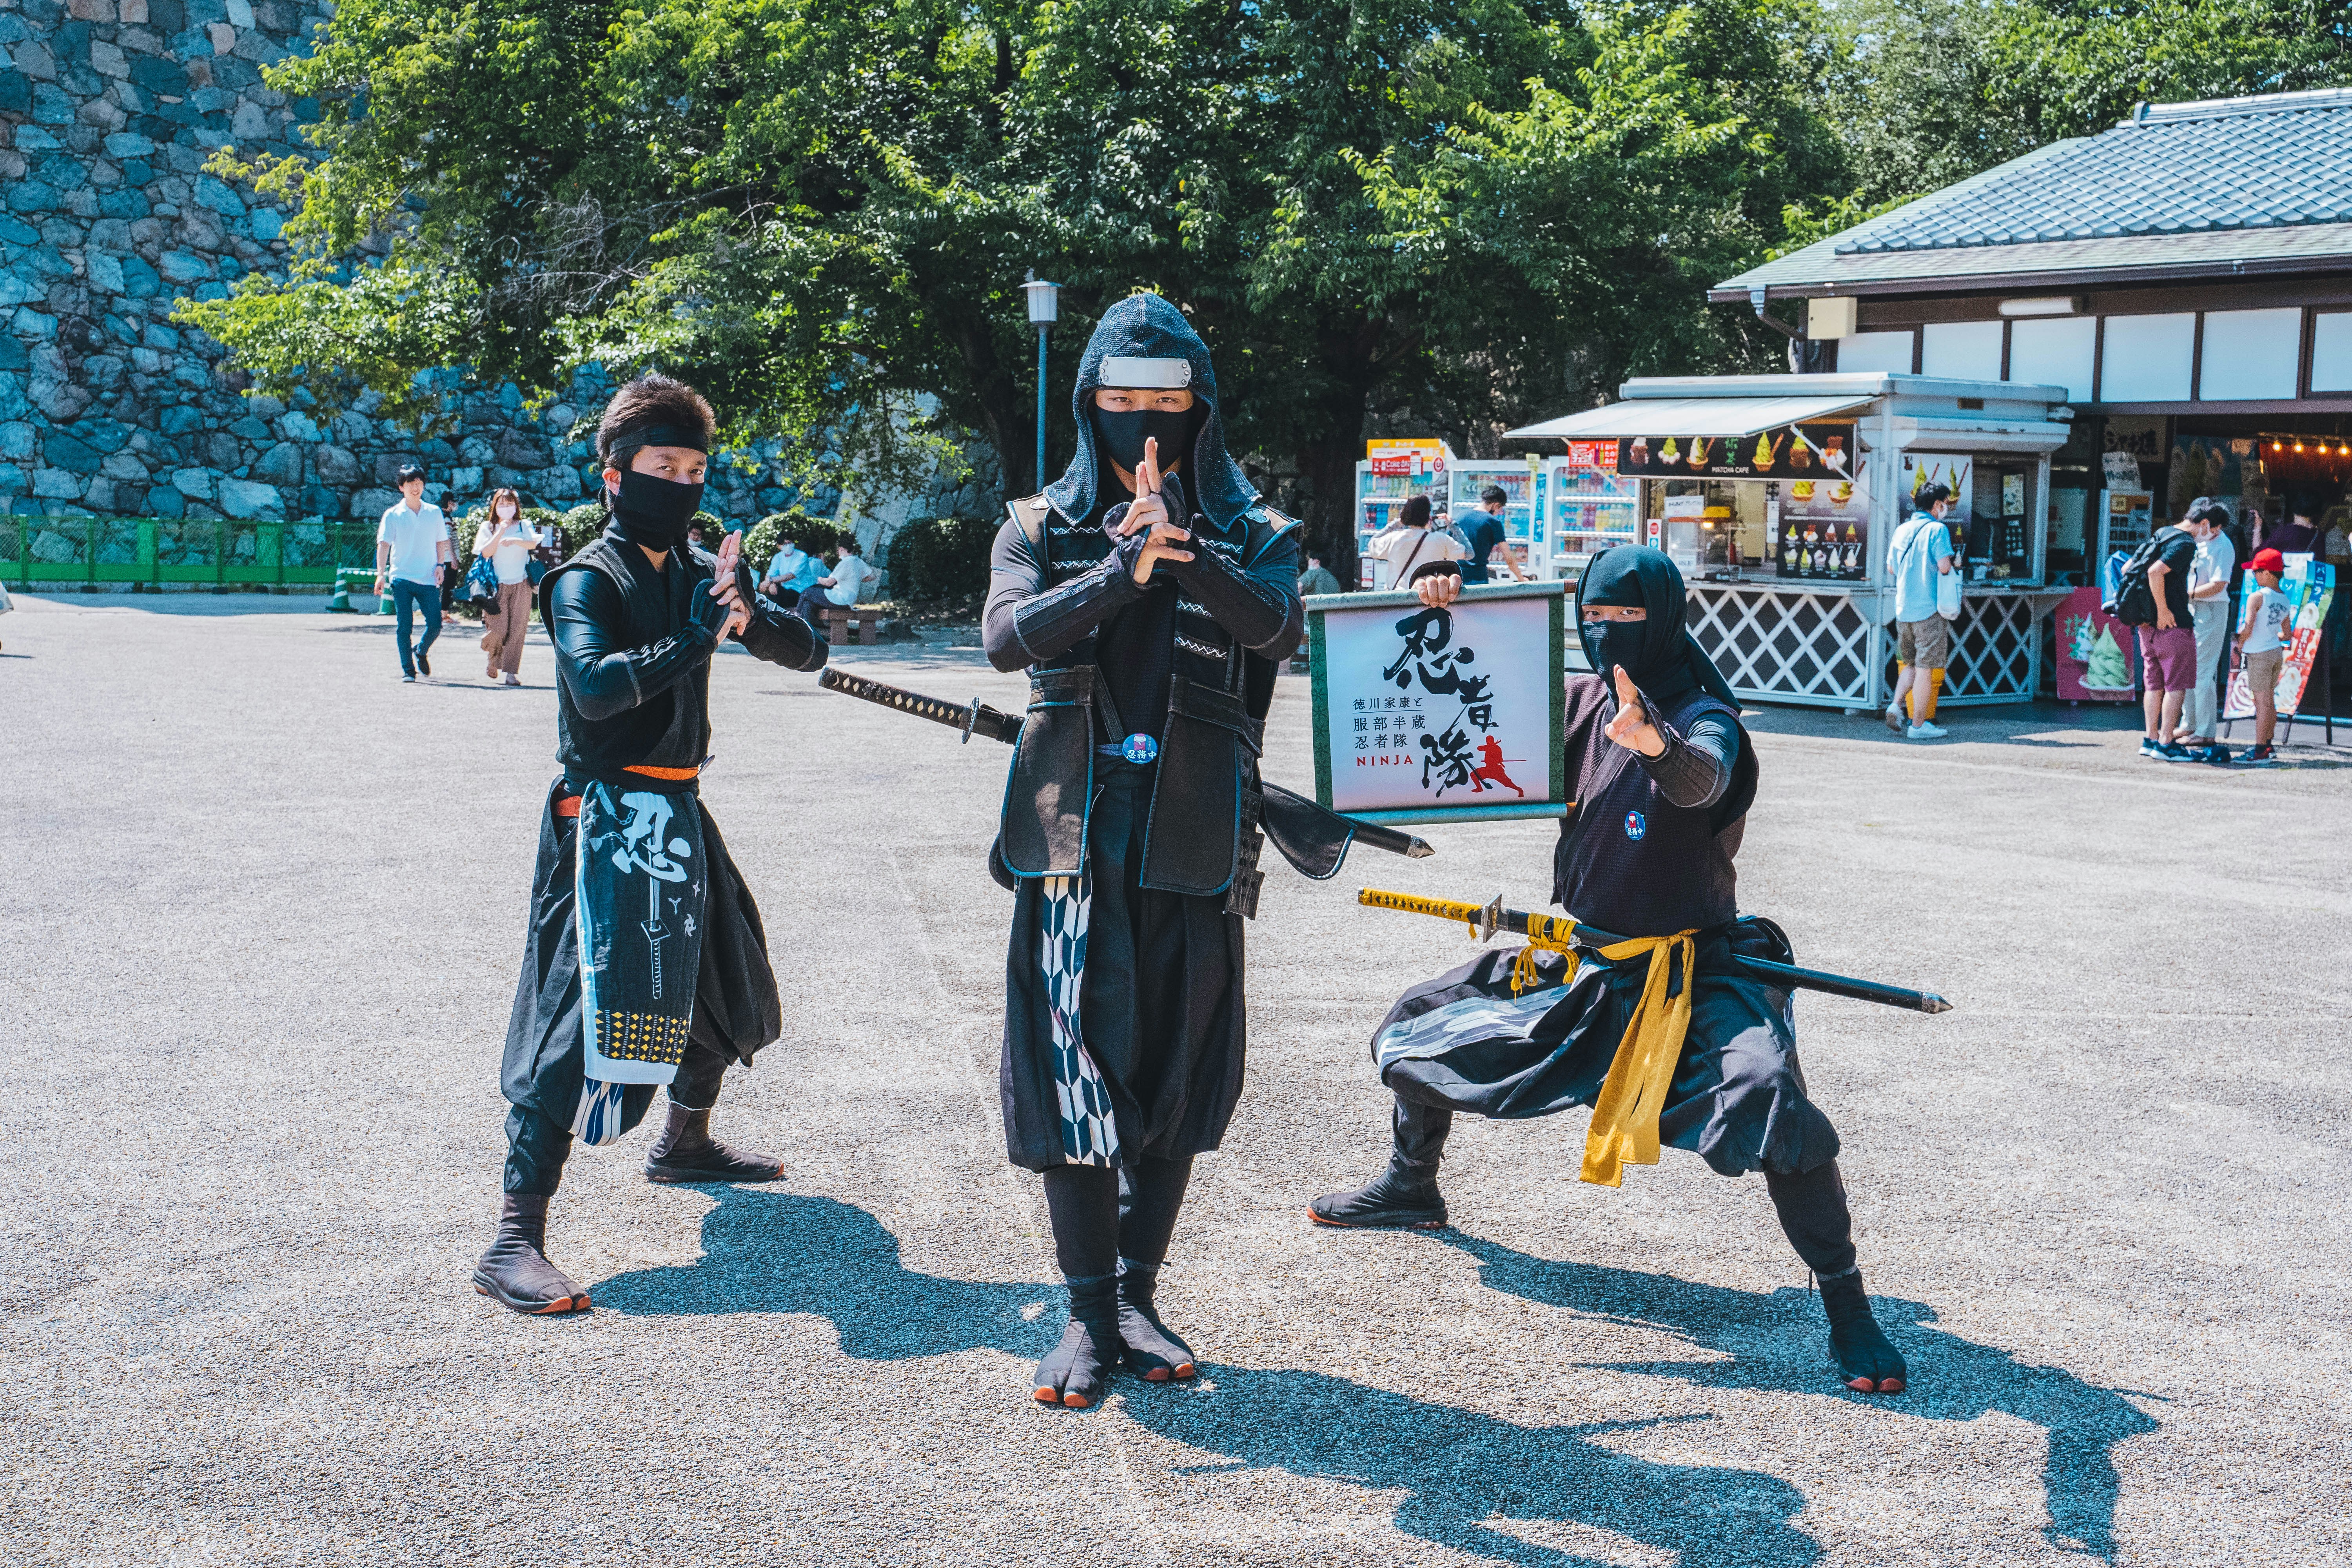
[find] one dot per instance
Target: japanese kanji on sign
(1449, 715)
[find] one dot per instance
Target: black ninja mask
(1123, 435)
(655, 512)
(1656, 652)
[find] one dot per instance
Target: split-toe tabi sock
(686, 1151)
(515, 1271)
(1075, 1372)
(1404, 1196)
(1153, 1350)
(1867, 1359)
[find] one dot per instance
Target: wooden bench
(844, 624)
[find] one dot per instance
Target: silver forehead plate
(1120, 370)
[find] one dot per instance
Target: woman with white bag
(506, 541)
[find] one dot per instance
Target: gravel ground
(261, 914)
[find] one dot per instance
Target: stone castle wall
(107, 111)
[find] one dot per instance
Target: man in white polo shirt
(412, 547)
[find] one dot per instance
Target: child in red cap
(2262, 646)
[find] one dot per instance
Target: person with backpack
(2168, 639)
(1920, 556)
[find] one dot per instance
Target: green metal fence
(127, 551)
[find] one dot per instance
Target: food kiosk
(1777, 495)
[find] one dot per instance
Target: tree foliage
(822, 211)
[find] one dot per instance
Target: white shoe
(1894, 720)
(510, 679)
(1926, 733)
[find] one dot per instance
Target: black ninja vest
(1197, 838)
(1629, 860)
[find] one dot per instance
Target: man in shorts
(1920, 552)
(2168, 651)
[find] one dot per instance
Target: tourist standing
(506, 541)
(2168, 651)
(1920, 554)
(1412, 546)
(2262, 648)
(1483, 532)
(411, 548)
(2209, 571)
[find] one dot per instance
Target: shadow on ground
(765, 1251)
(1779, 1342)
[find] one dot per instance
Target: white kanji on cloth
(1089, 1136)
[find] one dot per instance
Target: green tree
(822, 211)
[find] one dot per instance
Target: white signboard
(1427, 715)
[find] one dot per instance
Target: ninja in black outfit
(1662, 775)
(644, 963)
(1151, 629)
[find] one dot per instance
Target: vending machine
(1590, 505)
(1393, 472)
(1524, 529)
(2127, 517)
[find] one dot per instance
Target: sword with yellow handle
(1560, 932)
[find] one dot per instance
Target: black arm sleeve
(1258, 602)
(604, 678)
(775, 634)
(1694, 769)
(1024, 624)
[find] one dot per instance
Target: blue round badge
(1140, 749)
(1634, 824)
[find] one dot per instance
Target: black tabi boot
(1075, 1372)
(515, 1271)
(686, 1151)
(1402, 1197)
(1152, 1349)
(1867, 1359)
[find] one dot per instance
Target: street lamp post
(1045, 308)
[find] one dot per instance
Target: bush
(816, 535)
(944, 558)
(578, 526)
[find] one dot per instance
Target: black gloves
(706, 613)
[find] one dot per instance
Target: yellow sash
(1625, 1118)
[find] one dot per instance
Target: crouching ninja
(644, 963)
(1660, 1034)
(1152, 631)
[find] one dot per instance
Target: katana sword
(1560, 932)
(978, 719)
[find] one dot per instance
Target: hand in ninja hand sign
(723, 586)
(1632, 728)
(1150, 511)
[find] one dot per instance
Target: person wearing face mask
(643, 963)
(1661, 1036)
(506, 541)
(1151, 595)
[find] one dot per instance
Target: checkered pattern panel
(597, 1122)
(1806, 647)
(1089, 1135)
(1994, 653)
(642, 1037)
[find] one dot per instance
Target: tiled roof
(2238, 166)
(2244, 163)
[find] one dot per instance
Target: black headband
(656, 436)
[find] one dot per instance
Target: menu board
(1821, 529)
(1793, 452)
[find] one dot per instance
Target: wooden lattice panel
(1786, 648)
